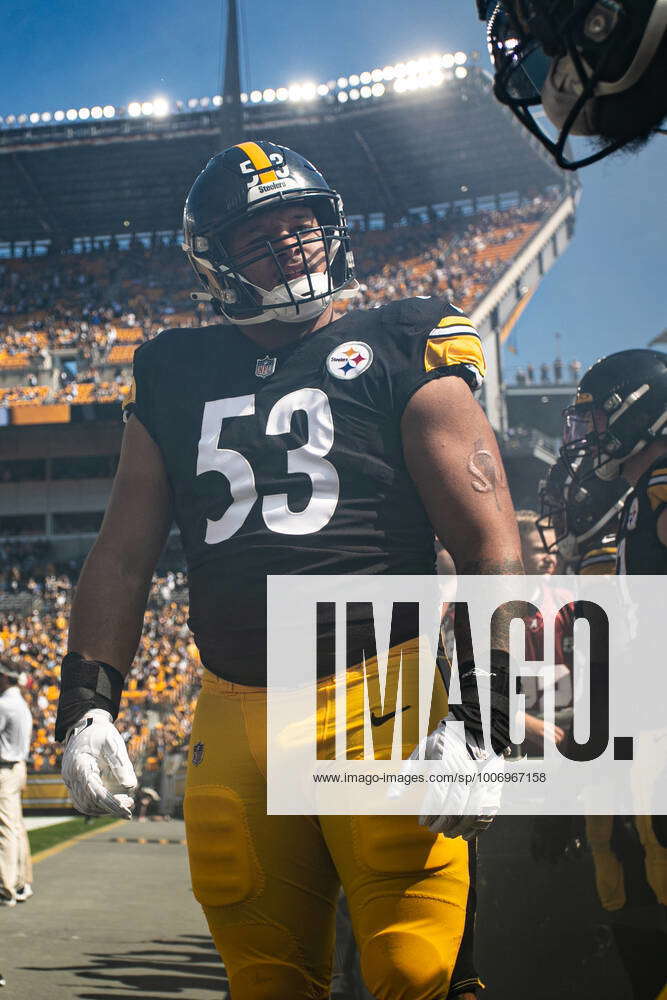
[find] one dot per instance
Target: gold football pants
(269, 884)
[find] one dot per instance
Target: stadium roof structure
(391, 153)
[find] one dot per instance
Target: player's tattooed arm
(486, 475)
(452, 456)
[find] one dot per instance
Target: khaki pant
(15, 863)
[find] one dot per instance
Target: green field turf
(49, 836)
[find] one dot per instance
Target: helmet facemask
(312, 266)
(564, 56)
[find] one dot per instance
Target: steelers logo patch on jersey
(350, 360)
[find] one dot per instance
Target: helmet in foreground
(240, 184)
(597, 67)
(620, 407)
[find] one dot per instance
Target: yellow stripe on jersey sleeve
(460, 348)
(599, 562)
(656, 491)
(454, 321)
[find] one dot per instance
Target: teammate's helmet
(570, 56)
(239, 184)
(577, 513)
(620, 407)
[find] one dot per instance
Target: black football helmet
(577, 513)
(564, 55)
(240, 183)
(620, 407)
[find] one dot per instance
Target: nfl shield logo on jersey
(265, 367)
(197, 753)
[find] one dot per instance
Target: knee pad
(223, 863)
(403, 965)
(273, 981)
(263, 961)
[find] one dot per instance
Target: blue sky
(607, 293)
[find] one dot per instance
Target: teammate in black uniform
(284, 442)
(616, 428)
(579, 521)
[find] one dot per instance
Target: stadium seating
(98, 307)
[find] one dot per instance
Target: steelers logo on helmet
(275, 274)
(350, 360)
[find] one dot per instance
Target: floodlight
(147, 108)
(322, 89)
(354, 94)
(59, 116)
(366, 77)
(217, 101)
(366, 92)
(282, 93)
(460, 58)
(378, 89)
(461, 72)
(34, 117)
(84, 113)
(71, 115)
(255, 96)
(96, 112)
(354, 80)
(342, 96)
(269, 95)
(342, 82)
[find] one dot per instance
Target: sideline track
(113, 916)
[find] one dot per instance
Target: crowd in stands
(72, 322)
(158, 702)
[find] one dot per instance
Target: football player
(617, 427)
(579, 521)
(597, 68)
(284, 442)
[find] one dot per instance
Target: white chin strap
(295, 300)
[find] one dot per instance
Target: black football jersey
(291, 462)
(639, 548)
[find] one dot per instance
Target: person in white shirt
(15, 733)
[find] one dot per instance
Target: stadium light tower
(231, 117)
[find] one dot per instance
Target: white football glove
(466, 796)
(96, 767)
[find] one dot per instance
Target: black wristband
(86, 684)
(469, 711)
